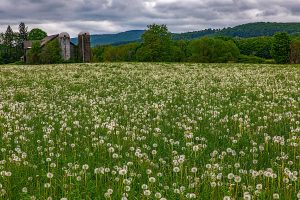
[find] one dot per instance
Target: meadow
(149, 131)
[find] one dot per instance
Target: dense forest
(250, 43)
(242, 31)
(158, 45)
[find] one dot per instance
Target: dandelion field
(149, 131)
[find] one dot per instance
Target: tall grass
(149, 131)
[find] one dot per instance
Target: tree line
(11, 42)
(158, 45)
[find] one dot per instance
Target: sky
(113, 16)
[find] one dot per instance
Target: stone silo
(65, 45)
(84, 45)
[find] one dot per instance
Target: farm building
(68, 50)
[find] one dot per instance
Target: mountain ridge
(243, 31)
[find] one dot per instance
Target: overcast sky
(112, 16)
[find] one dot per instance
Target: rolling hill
(119, 38)
(243, 31)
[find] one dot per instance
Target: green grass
(173, 131)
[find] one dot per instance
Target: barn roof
(28, 44)
(48, 39)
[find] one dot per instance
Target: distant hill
(243, 31)
(119, 38)
(260, 29)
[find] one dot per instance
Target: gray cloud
(108, 16)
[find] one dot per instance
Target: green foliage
(34, 53)
(37, 34)
(280, 50)
(23, 33)
(295, 51)
(260, 29)
(51, 53)
(97, 53)
(251, 59)
(9, 37)
(210, 50)
(194, 34)
(10, 49)
(149, 131)
(108, 53)
(258, 46)
(242, 31)
(156, 45)
(20, 97)
(179, 51)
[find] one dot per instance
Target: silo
(84, 45)
(65, 45)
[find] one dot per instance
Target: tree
(23, 32)
(9, 37)
(21, 37)
(281, 48)
(125, 53)
(50, 54)
(34, 53)
(109, 54)
(37, 34)
(97, 53)
(295, 52)
(156, 45)
(8, 45)
(257, 46)
(179, 51)
(211, 50)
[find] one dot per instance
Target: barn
(68, 50)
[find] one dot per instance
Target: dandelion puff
(144, 187)
(230, 176)
(237, 179)
(147, 192)
(107, 195)
(24, 190)
(259, 186)
(49, 175)
(275, 196)
(158, 195)
(298, 195)
(194, 170)
(208, 166)
(122, 172)
(247, 196)
(213, 184)
(110, 191)
(85, 167)
(176, 191)
(8, 174)
(176, 169)
(152, 180)
(127, 188)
